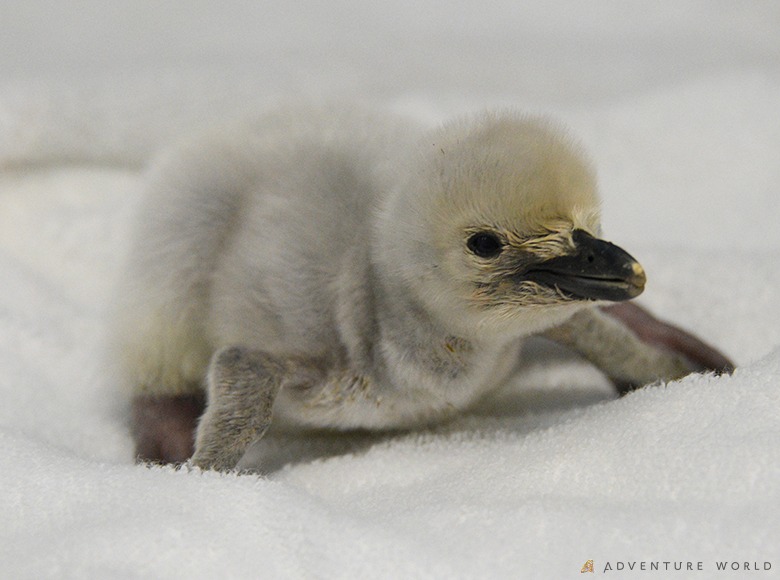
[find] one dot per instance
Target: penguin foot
(163, 427)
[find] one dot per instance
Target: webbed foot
(163, 427)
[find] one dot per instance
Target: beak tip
(636, 280)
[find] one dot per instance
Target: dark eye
(485, 245)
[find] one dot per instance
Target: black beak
(596, 270)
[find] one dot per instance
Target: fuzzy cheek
(510, 296)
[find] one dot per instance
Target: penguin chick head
(494, 223)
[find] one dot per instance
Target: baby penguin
(344, 269)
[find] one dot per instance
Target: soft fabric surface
(678, 107)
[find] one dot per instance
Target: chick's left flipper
(633, 348)
(242, 387)
(653, 331)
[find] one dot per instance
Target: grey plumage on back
(243, 232)
(339, 268)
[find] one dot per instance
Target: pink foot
(164, 427)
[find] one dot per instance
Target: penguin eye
(485, 245)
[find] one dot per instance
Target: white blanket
(680, 110)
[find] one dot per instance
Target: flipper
(243, 384)
(633, 348)
(658, 333)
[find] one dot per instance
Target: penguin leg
(242, 387)
(621, 351)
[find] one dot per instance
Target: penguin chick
(342, 269)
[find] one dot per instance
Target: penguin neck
(405, 318)
(419, 351)
(404, 321)
(381, 323)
